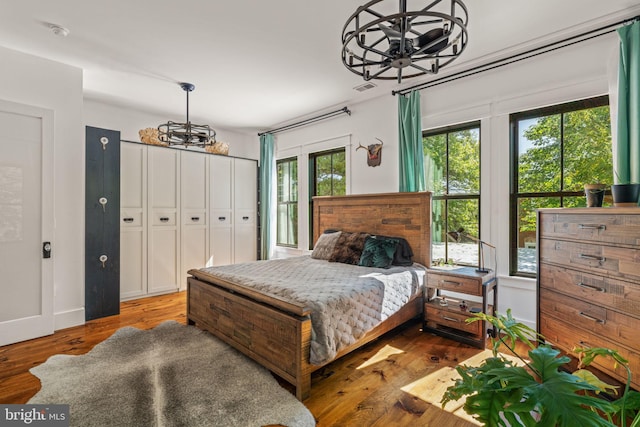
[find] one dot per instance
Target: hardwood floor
(395, 380)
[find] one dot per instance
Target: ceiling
(256, 64)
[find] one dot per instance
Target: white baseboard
(67, 319)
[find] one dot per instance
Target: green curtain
(627, 151)
(410, 142)
(267, 168)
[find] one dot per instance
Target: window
(555, 151)
(452, 167)
(287, 220)
(327, 177)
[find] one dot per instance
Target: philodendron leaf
(555, 394)
(589, 377)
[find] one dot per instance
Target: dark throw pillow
(378, 252)
(403, 255)
(349, 248)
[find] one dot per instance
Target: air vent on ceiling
(364, 87)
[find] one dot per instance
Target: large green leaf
(556, 395)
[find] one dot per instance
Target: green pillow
(378, 252)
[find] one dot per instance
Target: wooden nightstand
(453, 284)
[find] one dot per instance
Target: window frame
(514, 195)
(313, 180)
(476, 124)
(288, 203)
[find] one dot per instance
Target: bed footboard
(276, 340)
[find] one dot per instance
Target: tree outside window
(287, 217)
(452, 167)
(327, 177)
(555, 151)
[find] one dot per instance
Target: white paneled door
(26, 222)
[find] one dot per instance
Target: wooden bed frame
(276, 333)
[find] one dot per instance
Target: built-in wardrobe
(182, 209)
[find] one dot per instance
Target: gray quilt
(346, 300)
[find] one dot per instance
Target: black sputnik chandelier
(380, 43)
(187, 133)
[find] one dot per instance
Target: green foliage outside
(459, 177)
(331, 174)
(287, 210)
(561, 153)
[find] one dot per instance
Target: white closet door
(26, 221)
(221, 211)
(245, 196)
(133, 229)
(164, 222)
(194, 181)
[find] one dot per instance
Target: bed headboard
(405, 215)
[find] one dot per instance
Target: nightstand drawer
(471, 286)
(444, 317)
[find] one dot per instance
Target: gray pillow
(325, 245)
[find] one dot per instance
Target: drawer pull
(450, 319)
(450, 282)
(591, 287)
(164, 219)
(592, 226)
(222, 218)
(592, 257)
(127, 219)
(585, 344)
(246, 218)
(195, 218)
(595, 319)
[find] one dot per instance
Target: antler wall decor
(374, 153)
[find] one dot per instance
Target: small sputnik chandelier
(415, 41)
(187, 134)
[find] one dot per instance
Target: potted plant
(539, 390)
(594, 194)
(625, 192)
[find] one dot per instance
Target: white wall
(565, 75)
(38, 82)
(129, 122)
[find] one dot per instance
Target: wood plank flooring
(396, 380)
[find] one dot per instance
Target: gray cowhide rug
(172, 375)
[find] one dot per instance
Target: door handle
(46, 250)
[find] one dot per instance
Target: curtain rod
(308, 121)
(550, 47)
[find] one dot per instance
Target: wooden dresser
(589, 282)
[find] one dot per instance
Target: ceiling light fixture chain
(187, 134)
(381, 46)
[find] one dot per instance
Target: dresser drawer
(606, 260)
(567, 338)
(614, 229)
(616, 294)
(591, 317)
(436, 316)
(471, 286)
